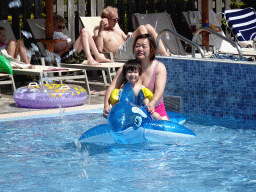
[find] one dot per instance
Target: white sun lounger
(6, 75)
(221, 46)
(43, 72)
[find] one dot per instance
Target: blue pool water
(41, 154)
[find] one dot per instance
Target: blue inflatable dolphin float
(129, 123)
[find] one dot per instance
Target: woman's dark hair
(152, 44)
(132, 65)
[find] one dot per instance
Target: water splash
(15, 4)
(84, 156)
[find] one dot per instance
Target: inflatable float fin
(166, 131)
(98, 134)
(176, 117)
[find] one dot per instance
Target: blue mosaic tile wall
(213, 87)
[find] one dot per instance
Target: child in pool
(132, 71)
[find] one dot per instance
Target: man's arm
(99, 35)
(62, 46)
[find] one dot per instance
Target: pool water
(41, 154)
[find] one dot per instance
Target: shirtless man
(83, 42)
(110, 37)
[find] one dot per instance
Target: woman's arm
(115, 84)
(159, 86)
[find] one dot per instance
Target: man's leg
(86, 43)
(82, 43)
(98, 56)
(148, 29)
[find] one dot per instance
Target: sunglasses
(115, 20)
(61, 27)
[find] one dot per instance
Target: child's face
(132, 76)
(2, 36)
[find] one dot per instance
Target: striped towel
(242, 22)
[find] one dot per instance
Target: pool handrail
(193, 44)
(219, 35)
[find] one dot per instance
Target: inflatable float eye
(138, 121)
(139, 111)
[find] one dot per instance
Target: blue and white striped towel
(242, 22)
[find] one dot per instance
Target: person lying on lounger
(110, 37)
(83, 42)
(14, 51)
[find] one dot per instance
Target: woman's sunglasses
(61, 27)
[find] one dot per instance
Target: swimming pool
(40, 154)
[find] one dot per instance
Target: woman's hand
(106, 111)
(151, 106)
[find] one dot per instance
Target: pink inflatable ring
(50, 96)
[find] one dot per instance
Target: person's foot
(102, 59)
(102, 93)
(92, 62)
(31, 66)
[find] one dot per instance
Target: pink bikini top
(151, 85)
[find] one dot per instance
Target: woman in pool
(153, 75)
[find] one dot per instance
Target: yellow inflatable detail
(114, 96)
(147, 93)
